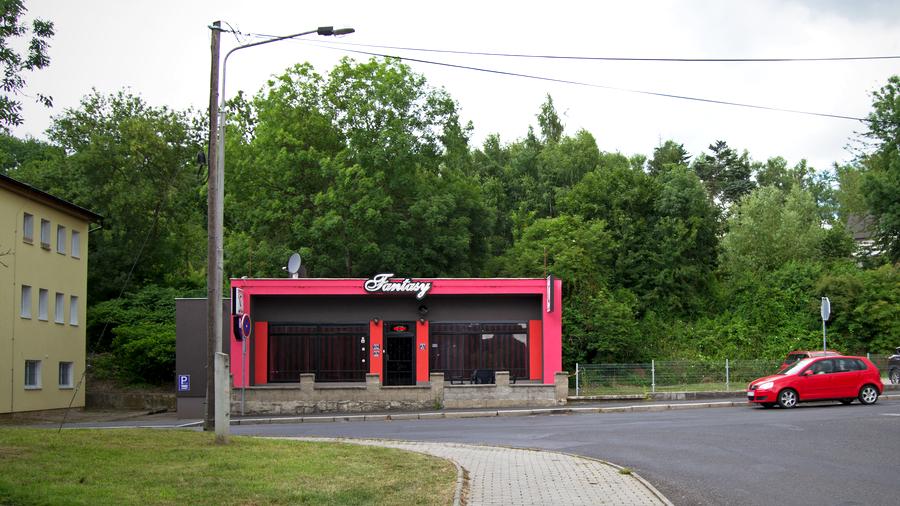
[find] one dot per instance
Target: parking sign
(184, 382)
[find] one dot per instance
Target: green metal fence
(670, 376)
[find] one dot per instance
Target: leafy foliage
(15, 64)
(368, 169)
(881, 184)
(139, 330)
(134, 165)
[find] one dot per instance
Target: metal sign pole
(243, 372)
(825, 313)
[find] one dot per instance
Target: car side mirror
(808, 372)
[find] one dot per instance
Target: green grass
(148, 467)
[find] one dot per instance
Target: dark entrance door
(399, 359)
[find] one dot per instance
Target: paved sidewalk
(510, 476)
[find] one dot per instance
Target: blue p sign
(184, 382)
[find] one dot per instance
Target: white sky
(160, 50)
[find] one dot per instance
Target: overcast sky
(160, 50)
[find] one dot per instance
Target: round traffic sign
(246, 325)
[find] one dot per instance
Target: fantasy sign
(382, 283)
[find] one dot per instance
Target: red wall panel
(261, 353)
(535, 350)
(376, 348)
(421, 351)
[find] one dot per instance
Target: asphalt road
(814, 454)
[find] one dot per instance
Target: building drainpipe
(12, 341)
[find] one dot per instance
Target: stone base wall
(137, 401)
(309, 397)
(502, 394)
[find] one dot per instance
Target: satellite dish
(294, 264)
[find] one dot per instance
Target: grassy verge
(143, 466)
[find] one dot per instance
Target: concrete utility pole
(215, 193)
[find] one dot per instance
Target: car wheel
(846, 401)
(895, 376)
(868, 394)
(787, 398)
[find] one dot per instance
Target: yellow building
(43, 296)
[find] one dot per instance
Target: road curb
(436, 415)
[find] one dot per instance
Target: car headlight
(765, 386)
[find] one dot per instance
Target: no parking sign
(246, 326)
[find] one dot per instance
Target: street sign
(237, 301)
(246, 326)
(184, 382)
(826, 309)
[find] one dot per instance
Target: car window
(796, 368)
(845, 365)
(793, 357)
(860, 365)
(823, 367)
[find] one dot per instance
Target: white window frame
(33, 366)
(59, 309)
(45, 233)
(61, 239)
(76, 244)
(25, 309)
(73, 310)
(43, 304)
(28, 228)
(69, 380)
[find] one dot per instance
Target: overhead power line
(611, 58)
(581, 83)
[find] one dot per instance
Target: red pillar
(261, 353)
(376, 348)
(535, 350)
(422, 351)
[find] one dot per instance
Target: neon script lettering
(382, 283)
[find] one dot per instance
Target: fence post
(727, 376)
(653, 376)
(576, 380)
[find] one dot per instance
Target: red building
(400, 329)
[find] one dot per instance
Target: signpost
(246, 326)
(826, 313)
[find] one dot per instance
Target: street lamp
(217, 387)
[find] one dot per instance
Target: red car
(837, 378)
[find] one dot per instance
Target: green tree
(363, 171)
(548, 120)
(135, 165)
(664, 226)
(16, 64)
(16, 153)
(865, 306)
(769, 228)
(669, 155)
(725, 173)
(881, 184)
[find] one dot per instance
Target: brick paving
(510, 476)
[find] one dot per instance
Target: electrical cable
(601, 86)
(618, 58)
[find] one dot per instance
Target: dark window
(331, 352)
(823, 367)
(458, 349)
(847, 364)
